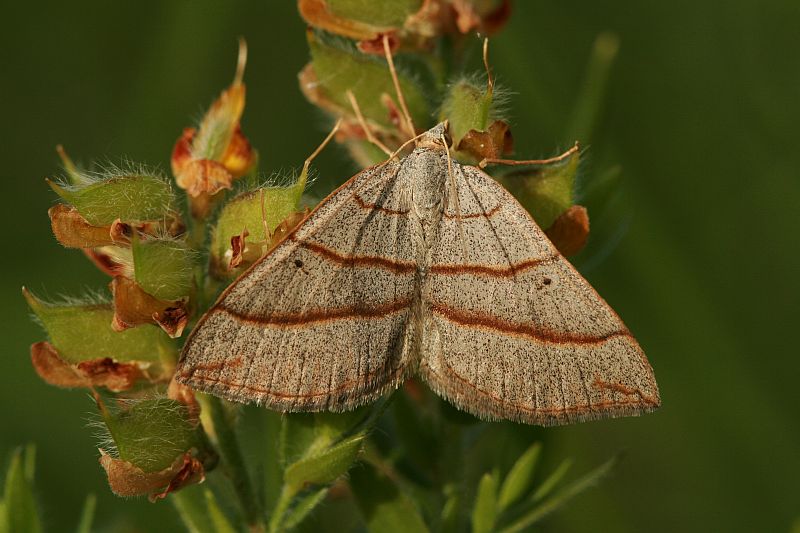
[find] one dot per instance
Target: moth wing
(322, 321)
(513, 331)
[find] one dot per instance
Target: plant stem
(235, 467)
(281, 506)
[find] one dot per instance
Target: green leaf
(75, 176)
(163, 268)
(19, 506)
(570, 491)
(467, 106)
(245, 212)
(593, 92)
(450, 510)
(385, 508)
(87, 514)
(547, 191)
(392, 14)
(297, 435)
(128, 197)
(303, 508)
(552, 480)
(151, 433)
(82, 331)
(319, 448)
(340, 67)
(519, 478)
(218, 519)
(484, 513)
(305, 434)
(326, 466)
(192, 507)
(331, 427)
(270, 458)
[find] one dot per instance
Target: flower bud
(246, 226)
(83, 349)
(545, 191)
(127, 195)
(337, 68)
(207, 160)
(410, 24)
(156, 446)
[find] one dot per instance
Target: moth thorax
(428, 175)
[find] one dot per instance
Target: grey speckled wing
(512, 330)
(321, 322)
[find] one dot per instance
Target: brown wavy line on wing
(348, 260)
(399, 212)
(491, 270)
(531, 331)
(369, 377)
(623, 389)
(591, 407)
(371, 206)
(483, 214)
(312, 316)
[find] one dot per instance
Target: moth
(420, 267)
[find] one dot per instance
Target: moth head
(436, 137)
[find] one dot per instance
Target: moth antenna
(489, 77)
(406, 115)
(367, 130)
(454, 195)
(322, 145)
(488, 161)
(241, 62)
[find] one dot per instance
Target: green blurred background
(701, 114)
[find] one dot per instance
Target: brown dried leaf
(182, 151)
(466, 17)
(286, 227)
(433, 18)
(104, 372)
(483, 20)
(491, 144)
(203, 177)
(127, 479)
(133, 306)
(110, 374)
(54, 370)
(105, 262)
(317, 14)
(375, 46)
(239, 156)
(72, 230)
(245, 254)
(570, 231)
(190, 473)
(121, 232)
(183, 394)
(238, 247)
(173, 319)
